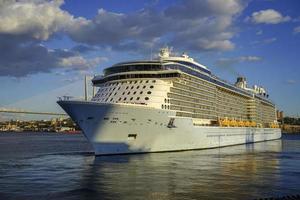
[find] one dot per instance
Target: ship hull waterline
(126, 129)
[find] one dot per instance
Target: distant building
(279, 115)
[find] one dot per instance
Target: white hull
(123, 129)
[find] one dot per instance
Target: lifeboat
(241, 123)
(247, 123)
(253, 124)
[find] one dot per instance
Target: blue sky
(46, 47)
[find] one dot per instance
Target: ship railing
(65, 98)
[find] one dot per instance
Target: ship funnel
(241, 82)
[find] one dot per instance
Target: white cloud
(269, 40)
(23, 25)
(34, 19)
(259, 32)
(249, 58)
(80, 63)
(226, 62)
(296, 30)
(204, 25)
(268, 16)
(191, 25)
(291, 81)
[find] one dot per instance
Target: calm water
(52, 166)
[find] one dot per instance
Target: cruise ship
(171, 103)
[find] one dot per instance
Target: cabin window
(132, 136)
(146, 98)
(149, 92)
(151, 86)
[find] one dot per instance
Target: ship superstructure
(168, 104)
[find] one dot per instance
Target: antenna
(85, 88)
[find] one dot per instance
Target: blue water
(52, 166)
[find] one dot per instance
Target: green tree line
(291, 120)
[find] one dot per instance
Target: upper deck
(167, 66)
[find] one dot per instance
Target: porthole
(162, 106)
(131, 98)
(153, 81)
(111, 99)
(165, 100)
(135, 82)
(134, 92)
(123, 93)
(165, 106)
(144, 86)
(120, 99)
(149, 92)
(125, 99)
(127, 87)
(132, 87)
(146, 98)
(147, 81)
(130, 82)
(141, 92)
(128, 92)
(141, 81)
(138, 98)
(151, 86)
(115, 93)
(137, 87)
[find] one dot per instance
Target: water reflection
(267, 169)
(231, 172)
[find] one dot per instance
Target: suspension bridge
(31, 112)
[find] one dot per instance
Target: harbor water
(62, 166)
